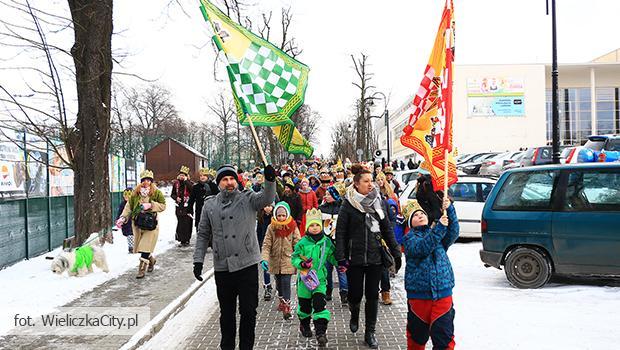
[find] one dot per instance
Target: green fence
(33, 226)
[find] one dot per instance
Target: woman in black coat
(362, 222)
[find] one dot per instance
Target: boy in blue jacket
(429, 278)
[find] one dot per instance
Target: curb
(155, 325)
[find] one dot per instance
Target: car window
(526, 191)
(463, 192)
(477, 157)
(593, 191)
(595, 145)
(566, 152)
(485, 189)
(409, 176)
(613, 145)
(544, 153)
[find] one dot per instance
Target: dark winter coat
(428, 274)
(294, 202)
(200, 192)
(126, 228)
(262, 222)
(331, 208)
(181, 190)
(354, 240)
(410, 165)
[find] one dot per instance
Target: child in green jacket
(311, 253)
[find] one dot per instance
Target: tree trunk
(92, 56)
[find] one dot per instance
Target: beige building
(508, 106)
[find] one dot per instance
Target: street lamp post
(555, 103)
(387, 120)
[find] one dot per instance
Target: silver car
(494, 166)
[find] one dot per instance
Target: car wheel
(527, 268)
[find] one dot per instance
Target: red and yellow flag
(429, 130)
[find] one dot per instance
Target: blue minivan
(553, 219)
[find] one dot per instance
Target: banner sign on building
(495, 96)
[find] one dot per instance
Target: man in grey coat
(229, 221)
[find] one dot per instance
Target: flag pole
(260, 147)
(445, 178)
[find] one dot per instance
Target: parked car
(555, 219)
(406, 176)
(471, 157)
(494, 166)
(472, 168)
(570, 155)
(469, 194)
(601, 148)
(515, 164)
(537, 156)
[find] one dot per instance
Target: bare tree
(343, 140)
(363, 128)
(153, 110)
(223, 110)
(86, 137)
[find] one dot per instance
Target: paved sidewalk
(171, 277)
(273, 332)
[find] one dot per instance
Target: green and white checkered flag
(268, 85)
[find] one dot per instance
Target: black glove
(198, 271)
(398, 263)
(270, 173)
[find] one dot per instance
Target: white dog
(78, 262)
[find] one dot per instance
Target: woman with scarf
(146, 198)
(362, 223)
(308, 199)
(278, 245)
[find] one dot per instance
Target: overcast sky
(396, 34)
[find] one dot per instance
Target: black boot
(355, 317)
(344, 297)
(304, 327)
(371, 308)
(328, 294)
(320, 328)
(268, 292)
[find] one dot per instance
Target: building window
(576, 114)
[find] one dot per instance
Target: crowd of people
(298, 224)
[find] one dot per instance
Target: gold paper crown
(204, 171)
(184, 170)
(411, 207)
(388, 170)
(314, 216)
(341, 187)
(146, 174)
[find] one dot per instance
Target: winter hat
(314, 216)
(282, 205)
(146, 175)
(410, 209)
(225, 170)
(334, 193)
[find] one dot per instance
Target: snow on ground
(30, 288)
(177, 330)
(491, 314)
